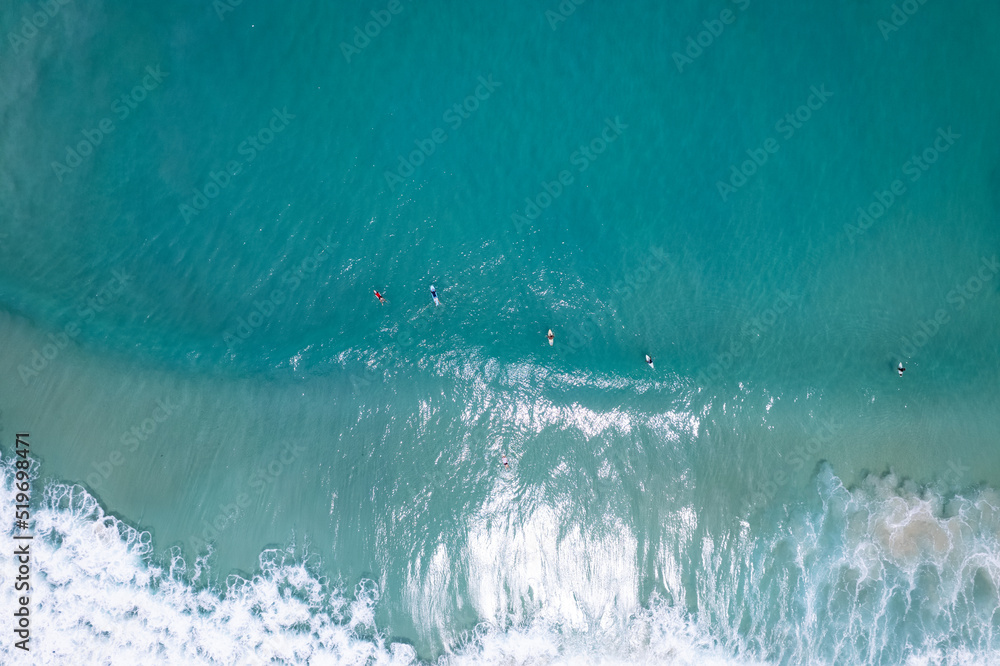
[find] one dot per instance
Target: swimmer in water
(901, 369)
(551, 337)
(379, 297)
(503, 459)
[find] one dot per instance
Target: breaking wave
(883, 573)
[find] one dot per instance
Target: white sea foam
(885, 573)
(98, 598)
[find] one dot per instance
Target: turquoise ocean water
(242, 457)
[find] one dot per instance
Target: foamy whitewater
(898, 574)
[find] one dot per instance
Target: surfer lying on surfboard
(434, 295)
(551, 337)
(503, 459)
(649, 360)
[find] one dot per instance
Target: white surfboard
(649, 360)
(434, 295)
(551, 337)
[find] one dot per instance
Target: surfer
(434, 295)
(379, 297)
(551, 337)
(503, 459)
(649, 361)
(901, 369)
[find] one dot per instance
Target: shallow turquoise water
(771, 492)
